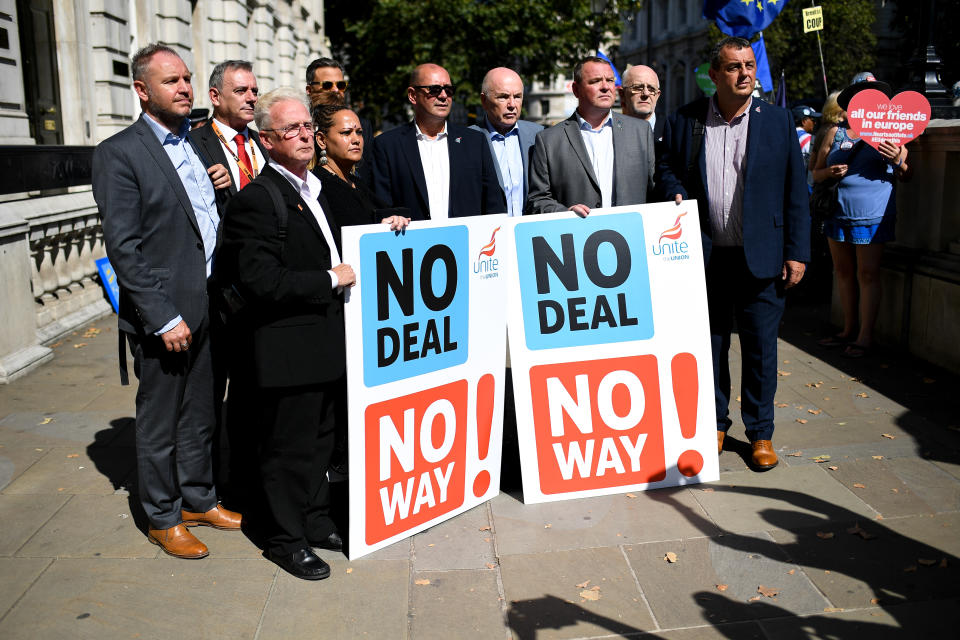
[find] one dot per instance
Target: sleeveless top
(866, 194)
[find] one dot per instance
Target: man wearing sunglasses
(326, 85)
(434, 168)
(639, 95)
(595, 158)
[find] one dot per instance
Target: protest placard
(426, 344)
(875, 117)
(610, 349)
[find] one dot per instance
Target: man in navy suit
(740, 160)
(435, 169)
(510, 138)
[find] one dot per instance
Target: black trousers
(297, 442)
(174, 430)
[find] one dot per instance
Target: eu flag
(742, 18)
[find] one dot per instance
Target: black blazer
(150, 232)
(211, 151)
(295, 314)
(348, 206)
(398, 178)
(776, 214)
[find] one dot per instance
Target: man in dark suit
(434, 168)
(292, 282)
(639, 95)
(595, 158)
(510, 138)
(326, 85)
(740, 160)
(160, 223)
(226, 138)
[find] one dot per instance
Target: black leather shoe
(333, 542)
(303, 564)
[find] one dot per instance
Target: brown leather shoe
(218, 518)
(764, 457)
(178, 542)
(720, 435)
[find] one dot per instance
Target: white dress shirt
(253, 152)
(308, 190)
(435, 160)
(599, 144)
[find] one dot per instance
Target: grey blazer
(150, 232)
(528, 132)
(561, 174)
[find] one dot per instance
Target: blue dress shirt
(506, 151)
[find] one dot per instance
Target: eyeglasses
(650, 90)
(293, 130)
(328, 85)
(434, 90)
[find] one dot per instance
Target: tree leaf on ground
(46, 420)
(795, 454)
(814, 385)
(630, 495)
(484, 529)
(547, 526)
(722, 587)
(79, 345)
(783, 373)
(833, 467)
(590, 595)
(926, 562)
(859, 485)
(824, 535)
(767, 592)
(349, 569)
(755, 598)
(862, 394)
(782, 405)
(583, 585)
(888, 436)
(821, 458)
(73, 455)
(874, 600)
(421, 582)
(877, 457)
(791, 572)
(832, 609)
(858, 531)
(707, 489)
(802, 420)
(490, 565)
(815, 412)
(670, 557)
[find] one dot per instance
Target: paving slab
(924, 620)
(60, 472)
(227, 544)
(931, 483)
(368, 602)
(81, 427)
(16, 460)
(853, 569)
(463, 542)
(18, 574)
(843, 441)
(473, 594)
(604, 521)
(102, 598)
(940, 532)
(873, 482)
(732, 631)
(22, 517)
(739, 564)
(90, 526)
(544, 601)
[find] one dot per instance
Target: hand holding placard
(877, 118)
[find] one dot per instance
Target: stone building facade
(65, 80)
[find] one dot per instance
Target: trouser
(296, 446)
(174, 427)
(757, 305)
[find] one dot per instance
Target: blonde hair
(832, 113)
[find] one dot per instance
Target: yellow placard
(812, 19)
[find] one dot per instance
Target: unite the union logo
(486, 265)
(669, 246)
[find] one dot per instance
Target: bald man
(639, 95)
(435, 169)
(511, 139)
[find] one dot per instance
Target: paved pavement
(865, 543)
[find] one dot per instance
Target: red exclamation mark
(685, 391)
(485, 388)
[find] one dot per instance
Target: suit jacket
(398, 178)
(776, 215)
(561, 174)
(527, 132)
(150, 232)
(294, 312)
(212, 152)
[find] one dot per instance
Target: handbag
(824, 199)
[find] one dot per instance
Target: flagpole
(823, 69)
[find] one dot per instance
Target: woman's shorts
(870, 234)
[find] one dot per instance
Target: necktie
(244, 160)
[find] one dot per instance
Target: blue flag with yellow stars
(742, 18)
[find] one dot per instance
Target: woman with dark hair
(863, 220)
(340, 146)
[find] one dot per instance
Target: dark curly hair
(322, 115)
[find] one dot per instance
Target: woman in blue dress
(863, 220)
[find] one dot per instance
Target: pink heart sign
(900, 119)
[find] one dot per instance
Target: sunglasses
(648, 89)
(434, 90)
(328, 85)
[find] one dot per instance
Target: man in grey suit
(595, 158)
(510, 138)
(160, 223)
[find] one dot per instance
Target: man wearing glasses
(595, 158)
(639, 95)
(434, 168)
(326, 85)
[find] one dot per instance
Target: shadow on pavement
(527, 617)
(107, 457)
